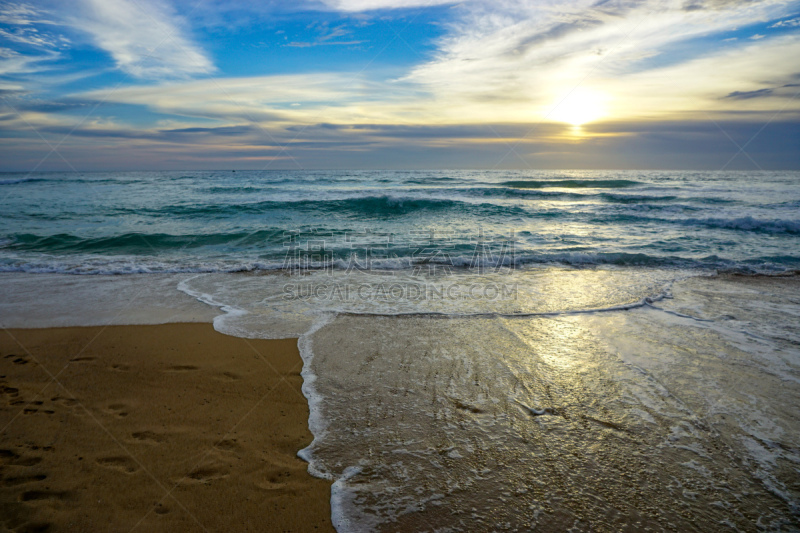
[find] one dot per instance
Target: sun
(579, 106)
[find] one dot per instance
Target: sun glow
(579, 107)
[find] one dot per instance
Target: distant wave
(364, 206)
(430, 179)
(643, 198)
(229, 189)
(14, 181)
(572, 184)
(609, 197)
(66, 180)
(382, 206)
(70, 178)
(746, 224)
(137, 243)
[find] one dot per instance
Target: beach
(675, 412)
(401, 351)
(391, 266)
(171, 427)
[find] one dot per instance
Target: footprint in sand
(120, 368)
(228, 445)
(182, 368)
(118, 409)
(82, 359)
(161, 509)
(229, 376)
(29, 411)
(66, 402)
(268, 485)
(277, 474)
(149, 437)
(17, 359)
(43, 495)
(11, 392)
(33, 407)
(206, 474)
(22, 480)
(276, 480)
(35, 527)
(120, 463)
(10, 457)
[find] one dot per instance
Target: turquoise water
(128, 222)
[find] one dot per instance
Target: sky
(388, 84)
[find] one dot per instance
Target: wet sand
(154, 428)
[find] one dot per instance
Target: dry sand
(153, 428)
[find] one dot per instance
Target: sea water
(243, 221)
(483, 350)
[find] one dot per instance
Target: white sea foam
(316, 421)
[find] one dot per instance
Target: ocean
(483, 350)
(120, 223)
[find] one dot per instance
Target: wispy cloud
(12, 62)
(371, 5)
(327, 37)
(790, 23)
(146, 38)
(257, 99)
(303, 44)
(32, 37)
(23, 14)
(39, 46)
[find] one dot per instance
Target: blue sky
(206, 84)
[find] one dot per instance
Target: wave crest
(572, 184)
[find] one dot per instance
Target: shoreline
(172, 427)
(190, 384)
